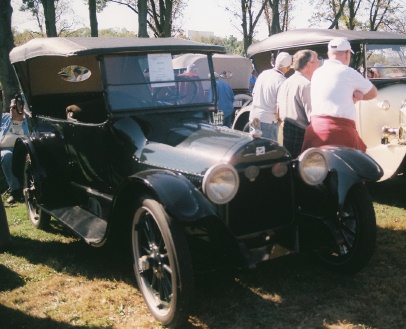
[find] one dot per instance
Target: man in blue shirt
(253, 79)
(225, 100)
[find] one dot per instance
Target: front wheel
(355, 234)
(37, 216)
(162, 263)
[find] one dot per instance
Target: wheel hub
(152, 261)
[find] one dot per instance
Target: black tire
(39, 218)
(162, 263)
(357, 232)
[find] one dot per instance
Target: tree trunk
(249, 21)
(275, 24)
(142, 19)
(50, 20)
(8, 78)
(167, 30)
(9, 82)
(94, 31)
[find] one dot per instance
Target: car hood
(197, 149)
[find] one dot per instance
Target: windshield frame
(124, 73)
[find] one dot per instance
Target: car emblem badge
(260, 150)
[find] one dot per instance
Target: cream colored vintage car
(381, 57)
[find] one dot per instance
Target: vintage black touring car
(379, 56)
(121, 146)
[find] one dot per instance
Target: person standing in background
(294, 103)
(190, 87)
(253, 79)
(335, 89)
(225, 100)
(12, 126)
(264, 102)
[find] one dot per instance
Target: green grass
(53, 280)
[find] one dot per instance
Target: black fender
(175, 192)
(50, 179)
(347, 167)
(184, 203)
(22, 147)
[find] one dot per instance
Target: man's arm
(359, 96)
(372, 93)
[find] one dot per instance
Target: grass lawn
(53, 280)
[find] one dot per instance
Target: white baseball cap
(283, 60)
(339, 44)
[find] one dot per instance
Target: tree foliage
(47, 8)
(372, 15)
(56, 15)
(277, 15)
(385, 15)
(248, 15)
(232, 45)
(158, 15)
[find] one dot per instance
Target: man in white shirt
(335, 88)
(265, 96)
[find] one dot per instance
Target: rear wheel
(37, 216)
(355, 234)
(162, 263)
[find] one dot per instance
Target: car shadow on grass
(75, 258)
(389, 192)
(296, 291)
(10, 280)
(13, 319)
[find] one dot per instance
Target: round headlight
(313, 167)
(220, 183)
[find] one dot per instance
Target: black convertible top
(309, 37)
(72, 46)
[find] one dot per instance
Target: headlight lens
(313, 167)
(220, 183)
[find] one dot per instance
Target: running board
(87, 225)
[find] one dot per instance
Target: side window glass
(74, 73)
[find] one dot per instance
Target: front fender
(176, 193)
(22, 147)
(350, 167)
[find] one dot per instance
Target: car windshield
(135, 82)
(386, 61)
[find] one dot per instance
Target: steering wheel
(166, 94)
(184, 92)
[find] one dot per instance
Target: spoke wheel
(37, 216)
(162, 263)
(355, 234)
